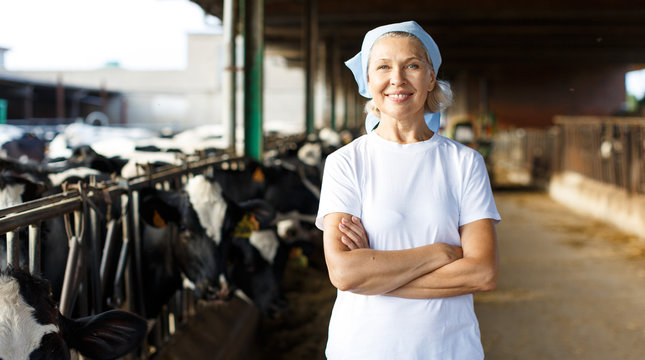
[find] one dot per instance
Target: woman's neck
(403, 132)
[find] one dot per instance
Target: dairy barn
(110, 178)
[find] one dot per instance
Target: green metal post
(253, 77)
(3, 111)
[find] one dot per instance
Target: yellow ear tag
(157, 220)
(246, 226)
(258, 175)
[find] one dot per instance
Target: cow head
(194, 219)
(256, 256)
(31, 327)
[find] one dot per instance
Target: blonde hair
(438, 99)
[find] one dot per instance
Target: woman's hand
(354, 235)
(451, 252)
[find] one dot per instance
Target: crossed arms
(431, 271)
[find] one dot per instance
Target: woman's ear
(433, 81)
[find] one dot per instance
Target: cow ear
(157, 210)
(263, 211)
(109, 335)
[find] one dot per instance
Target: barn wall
(531, 96)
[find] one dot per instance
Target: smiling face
(399, 77)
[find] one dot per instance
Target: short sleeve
(340, 190)
(477, 200)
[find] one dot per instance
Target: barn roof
(471, 32)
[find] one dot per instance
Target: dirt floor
(569, 288)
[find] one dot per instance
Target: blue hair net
(358, 64)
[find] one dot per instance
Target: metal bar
(123, 256)
(253, 74)
(94, 285)
(580, 120)
(33, 204)
(138, 251)
(13, 249)
(34, 248)
(68, 292)
(28, 217)
(50, 207)
(107, 252)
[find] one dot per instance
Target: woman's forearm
(463, 276)
(476, 271)
(373, 272)
(362, 270)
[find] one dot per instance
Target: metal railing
(87, 272)
(523, 157)
(607, 149)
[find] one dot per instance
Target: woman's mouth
(398, 97)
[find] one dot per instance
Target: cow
(26, 148)
(220, 244)
(84, 156)
(25, 182)
(176, 250)
(31, 326)
(21, 182)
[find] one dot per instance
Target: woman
(408, 216)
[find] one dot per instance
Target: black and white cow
(21, 182)
(85, 157)
(31, 327)
(26, 148)
(220, 243)
(176, 249)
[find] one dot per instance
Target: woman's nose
(397, 76)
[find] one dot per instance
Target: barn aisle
(570, 287)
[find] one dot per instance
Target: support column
(60, 98)
(310, 48)
(328, 82)
(29, 102)
(334, 70)
(346, 96)
(229, 88)
(253, 77)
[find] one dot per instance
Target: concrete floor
(569, 287)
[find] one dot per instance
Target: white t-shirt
(407, 195)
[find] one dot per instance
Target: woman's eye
(413, 66)
(382, 67)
